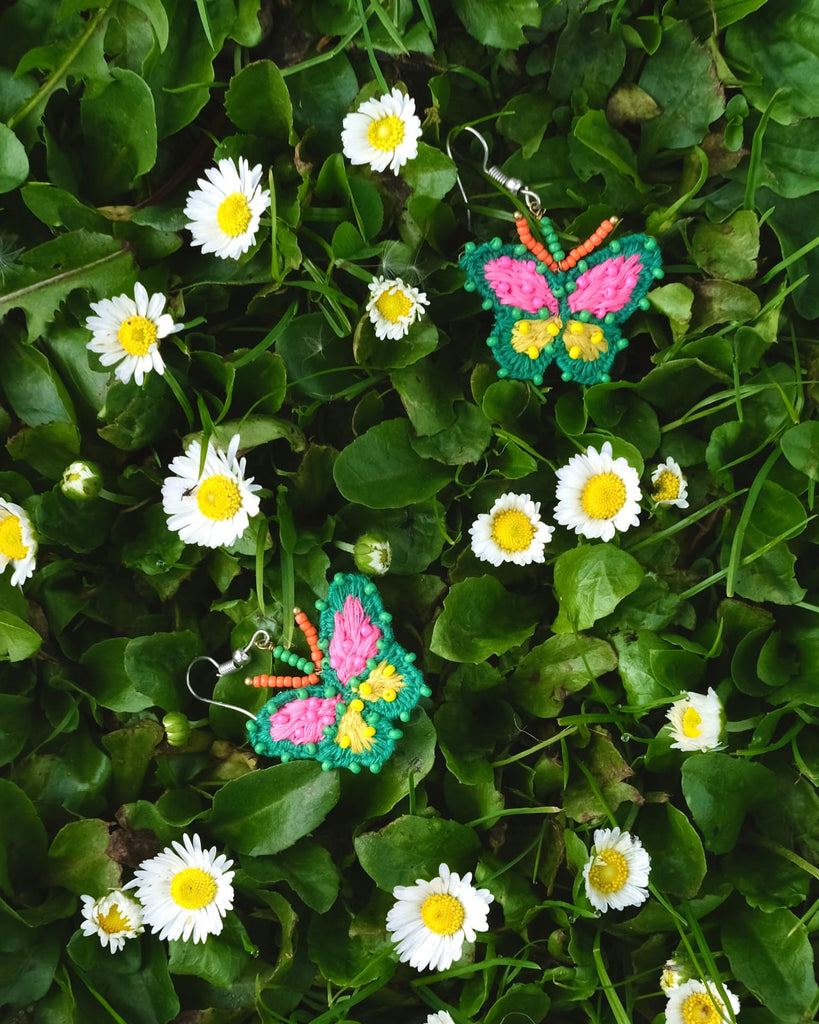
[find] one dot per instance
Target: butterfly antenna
(291, 658)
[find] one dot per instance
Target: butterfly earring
(359, 680)
(550, 306)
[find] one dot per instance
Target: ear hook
(239, 658)
(514, 185)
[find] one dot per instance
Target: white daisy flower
(212, 509)
(670, 486)
(697, 721)
(597, 494)
(616, 875)
(394, 306)
(226, 209)
(127, 331)
(431, 920)
(185, 891)
(512, 531)
(18, 545)
(382, 133)
(115, 918)
(672, 976)
(441, 1017)
(695, 1003)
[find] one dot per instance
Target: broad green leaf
(604, 53)
(497, 22)
(481, 618)
(590, 581)
(729, 249)
(519, 1002)
(714, 15)
(431, 173)
(720, 790)
(18, 640)
(257, 102)
(33, 389)
(411, 847)
(17, 715)
(23, 847)
(13, 160)
(307, 868)
(131, 750)
(557, 668)
(677, 857)
(771, 954)
(595, 132)
(462, 442)
(78, 859)
(269, 810)
(789, 158)
(49, 447)
(381, 469)
(218, 961)
(602, 787)
(800, 446)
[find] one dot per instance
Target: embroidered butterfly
(343, 712)
(555, 308)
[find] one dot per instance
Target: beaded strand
(551, 254)
(291, 658)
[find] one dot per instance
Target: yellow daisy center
(219, 497)
(512, 530)
(113, 921)
(193, 888)
(691, 723)
(137, 334)
(386, 133)
(442, 913)
(233, 215)
(699, 1008)
(603, 496)
(668, 486)
(609, 871)
(11, 539)
(394, 304)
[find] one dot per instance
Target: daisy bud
(372, 554)
(81, 481)
(177, 728)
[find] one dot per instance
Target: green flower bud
(177, 728)
(372, 554)
(81, 480)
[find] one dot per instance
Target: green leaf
(720, 790)
(790, 157)
(23, 847)
(431, 173)
(524, 119)
(119, 129)
(393, 353)
(78, 859)
(601, 792)
(557, 668)
(33, 389)
(13, 160)
(800, 446)
(677, 858)
(595, 132)
(497, 22)
(219, 961)
(257, 102)
(590, 582)
(464, 441)
(307, 868)
(771, 954)
(729, 249)
(519, 1002)
(269, 810)
(49, 448)
(131, 750)
(18, 640)
(17, 714)
(481, 618)
(411, 847)
(381, 469)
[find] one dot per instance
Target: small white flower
(394, 307)
(694, 1003)
(382, 133)
(185, 891)
(512, 531)
(212, 509)
(18, 545)
(597, 494)
(616, 875)
(226, 209)
(672, 976)
(697, 721)
(127, 332)
(431, 920)
(81, 480)
(670, 486)
(115, 918)
(441, 1017)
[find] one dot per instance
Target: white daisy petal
(394, 306)
(18, 543)
(224, 213)
(616, 875)
(598, 495)
(213, 509)
(512, 531)
(383, 132)
(441, 1017)
(114, 918)
(185, 891)
(126, 333)
(697, 722)
(696, 1001)
(670, 486)
(430, 920)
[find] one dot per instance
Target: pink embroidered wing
(517, 282)
(303, 721)
(608, 286)
(354, 640)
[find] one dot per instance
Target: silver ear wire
(239, 658)
(492, 171)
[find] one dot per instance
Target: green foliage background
(697, 120)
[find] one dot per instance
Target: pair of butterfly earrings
(359, 683)
(555, 307)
